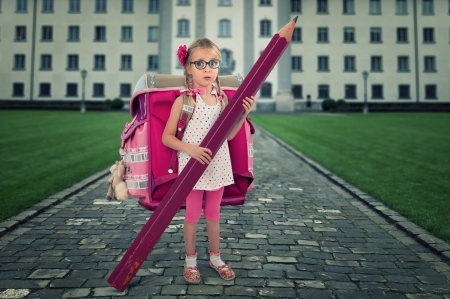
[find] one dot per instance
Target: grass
(402, 159)
(44, 152)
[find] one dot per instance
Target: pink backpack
(148, 162)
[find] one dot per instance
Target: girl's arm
(248, 104)
(169, 138)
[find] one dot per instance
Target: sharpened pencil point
(295, 19)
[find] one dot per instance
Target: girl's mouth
(206, 78)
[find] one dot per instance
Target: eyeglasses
(201, 64)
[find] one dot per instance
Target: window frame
(401, 9)
(375, 7)
(353, 88)
(16, 84)
(408, 86)
(427, 97)
(353, 34)
(17, 30)
(401, 29)
(322, 32)
(348, 58)
(102, 4)
(296, 63)
(372, 64)
(427, 9)
(121, 89)
(95, 87)
(41, 89)
(321, 88)
(265, 28)
(345, 7)
(224, 28)
(99, 31)
(73, 62)
(183, 29)
(19, 62)
(46, 63)
(322, 7)
(99, 62)
(429, 64)
(151, 36)
(47, 33)
(400, 64)
(153, 8)
(48, 6)
(126, 62)
(373, 95)
(321, 61)
(376, 31)
(68, 89)
(74, 6)
(127, 6)
(126, 34)
(73, 37)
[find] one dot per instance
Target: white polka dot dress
(219, 172)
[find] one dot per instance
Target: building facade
(404, 45)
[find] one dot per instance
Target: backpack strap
(185, 117)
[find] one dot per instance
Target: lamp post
(83, 106)
(365, 75)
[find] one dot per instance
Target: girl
(201, 62)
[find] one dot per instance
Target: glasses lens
(200, 64)
(214, 64)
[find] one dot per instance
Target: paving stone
(278, 292)
(204, 290)
(77, 293)
(241, 291)
(315, 294)
(108, 291)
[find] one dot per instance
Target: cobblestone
(303, 233)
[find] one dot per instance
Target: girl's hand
(201, 154)
(248, 104)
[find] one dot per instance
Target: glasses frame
(207, 64)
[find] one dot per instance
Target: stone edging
(435, 244)
(50, 201)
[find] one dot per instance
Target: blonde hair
(202, 43)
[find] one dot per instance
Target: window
(375, 7)
(431, 91)
(403, 91)
(296, 63)
(224, 28)
(127, 34)
(323, 64)
(125, 63)
(153, 34)
(349, 6)
(74, 34)
(72, 62)
(99, 62)
(152, 62)
(153, 6)
(21, 5)
(125, 90)
(99, 90)
(427, 7)
(430, 63)
(127, 6)
(74, 6)
(375, 35)
(376, 64)
(71, 90)
(401, 7)
(100, 34)
(402, 64)
(183, 27)
(100, 6)
(322, 6)
(296, 5)
(224, 2)
(227, 66)
(44, 90)
(47, 6)
(322, 35)
(377, 91)
(47, 33)
(19, 62)
(265, 2)
(349, 34)
(21, 33)
(350, 91)
(264, 28)
(266, 90)
(402, 35)
(428, 35)
(349, 64)
(46, 62)
(297, 35)
(297, 91)
(18, 90)
(324, 91)
(184, 2)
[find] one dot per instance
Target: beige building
(404, 45)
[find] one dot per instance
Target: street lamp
(365, 75)
(83, 106)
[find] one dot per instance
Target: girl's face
(203, 77)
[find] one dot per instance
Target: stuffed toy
(117, 186)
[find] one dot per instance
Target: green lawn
(44, 152)
(402, 159)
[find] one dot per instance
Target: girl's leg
(212, 215)
(192, 215)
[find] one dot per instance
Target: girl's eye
(201, 64)
(213, 63)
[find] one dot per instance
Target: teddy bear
(117, 186)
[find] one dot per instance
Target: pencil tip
(295, 19)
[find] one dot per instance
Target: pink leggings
(212, 204)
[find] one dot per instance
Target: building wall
(204, 17)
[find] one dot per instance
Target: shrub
(328, 105)
(341, 105)
(117, 104)
(108, 104)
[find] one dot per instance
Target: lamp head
(83, 74)
(365, 75)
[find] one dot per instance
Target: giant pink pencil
(182, 186)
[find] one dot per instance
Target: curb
(50, 201)
(435, 244)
